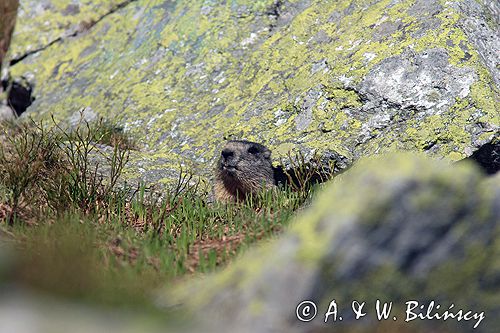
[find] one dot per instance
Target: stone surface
(394, 228)
(43, 22)
(342, 78)
(6, 113)
(24, 312)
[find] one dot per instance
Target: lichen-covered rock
(395, 228)
(343, 78)
(43, 22)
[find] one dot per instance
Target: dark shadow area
(487, 157)
(300, 173)
(297, 178)
(305, 175)
(20, 96)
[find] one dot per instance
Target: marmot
(244, 168)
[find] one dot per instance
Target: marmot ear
(267, 154)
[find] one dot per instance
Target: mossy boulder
(392, 228)
(342, 78)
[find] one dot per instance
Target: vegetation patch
(82, 232)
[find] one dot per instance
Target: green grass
(80, 233)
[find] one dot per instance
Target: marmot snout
(243, 168)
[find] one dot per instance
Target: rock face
(393, 228)
(44, 22)
(343, 78)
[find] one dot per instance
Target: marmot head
(245, 167)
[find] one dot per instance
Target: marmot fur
(244, 168)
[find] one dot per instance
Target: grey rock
(326, 77)
(6, 113)
(483, 35)
(424, 82)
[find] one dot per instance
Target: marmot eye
(252, 150)
(227, 153)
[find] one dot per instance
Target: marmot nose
(226, 153)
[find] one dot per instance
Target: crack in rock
(80, 28)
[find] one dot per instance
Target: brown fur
(244, 168)
(8, 13)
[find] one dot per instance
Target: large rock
(396, 228)
(344, 78)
